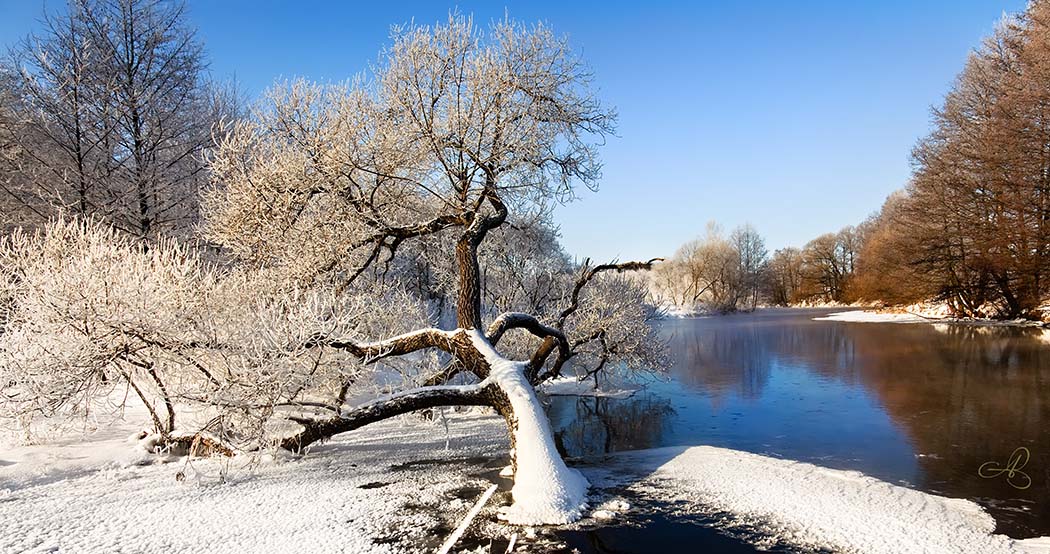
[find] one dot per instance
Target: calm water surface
(915, 404)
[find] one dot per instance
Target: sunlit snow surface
(385, 488)
(865, 316)
(814, 507)
(393, 487)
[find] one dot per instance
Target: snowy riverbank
(572, 386)
(812, 507)
(403, 485)
(392, 487)
(671, 312)
(889, 316)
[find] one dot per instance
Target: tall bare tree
(783, 277)
(753, 256)
(115, 115)
(59, 121)
(13, 180)
(162, 108)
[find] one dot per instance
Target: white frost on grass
(867, 316)
(571, 386)
(815, 507)
(681, 312)
(91, 497)
(937, 313)
(546, 491)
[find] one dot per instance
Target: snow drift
(866, 316)
(812, 506)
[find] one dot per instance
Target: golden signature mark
(1014, 476)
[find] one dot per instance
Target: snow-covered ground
(925, 312)
(870, 316)
(922, 313)
(571, 386)
(815, 507)
(392, 487)
(403, 485)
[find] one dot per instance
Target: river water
(919, 405)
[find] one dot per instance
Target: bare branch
(387, 407)
(587, 274)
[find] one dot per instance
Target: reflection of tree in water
(588, 426)
(737, 354)
(721, 361)
(967, 395)
(963, 394)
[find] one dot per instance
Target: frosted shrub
(84, 305)
(92, 318)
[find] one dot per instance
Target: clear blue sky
(795, 116)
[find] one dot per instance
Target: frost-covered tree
(753, 257)
(348, 211)
(715, 271)
(90, 320)
(456, 129)
(82, 306)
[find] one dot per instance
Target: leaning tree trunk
(545, 491)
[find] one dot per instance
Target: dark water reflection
(589, 426)
(915, 404)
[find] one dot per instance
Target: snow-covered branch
(315, 429)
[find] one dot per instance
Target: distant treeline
(728, 273)
(972, 227)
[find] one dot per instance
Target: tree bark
(468, 301)
(384, 408)
(468, 305)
